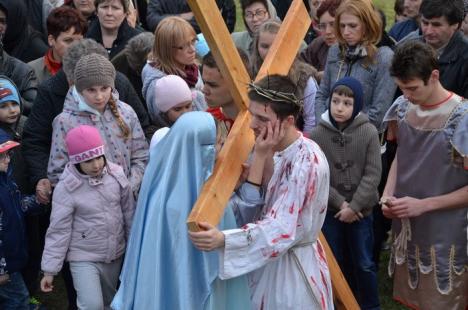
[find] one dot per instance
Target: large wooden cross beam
(219, 187)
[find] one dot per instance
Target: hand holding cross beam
(219, 187)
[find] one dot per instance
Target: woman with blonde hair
(358, 30)
(301, 73)
(173, 52)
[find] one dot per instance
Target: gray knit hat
(92, 70)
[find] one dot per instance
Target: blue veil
(162, 268)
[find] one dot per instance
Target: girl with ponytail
(92, 100)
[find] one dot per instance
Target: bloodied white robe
(285, 262)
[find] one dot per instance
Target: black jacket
(37, 134)
(453, 65)
(125, 33)
(21, 40)
(158, 9)
(36, 18)
(23, 76)
(120, 62)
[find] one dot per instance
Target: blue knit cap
(8, 91)
(356, 87)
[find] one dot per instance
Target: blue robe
(162, 268)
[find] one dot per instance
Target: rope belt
(301, 269)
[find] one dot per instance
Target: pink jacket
(91, 218)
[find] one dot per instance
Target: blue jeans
(352, 245)
(14, 295)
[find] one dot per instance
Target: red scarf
(220, 116)
(52, 66)
(191, 75)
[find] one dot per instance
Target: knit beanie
(8, 91)
(356, 87)
(94, 70)
(84, 143)
(170, 91)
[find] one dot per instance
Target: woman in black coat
(111, 28)
(20, 40)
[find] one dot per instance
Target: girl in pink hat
(92, 211)
(175, 99)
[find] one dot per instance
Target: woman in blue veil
(162, 269)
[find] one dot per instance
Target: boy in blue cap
(351, 144)
(12, 122)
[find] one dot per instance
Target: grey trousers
(95, 283)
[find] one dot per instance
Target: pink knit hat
(84, 143)
(171, 90)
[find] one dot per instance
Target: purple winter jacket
(91, 218)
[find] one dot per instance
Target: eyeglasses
(187, 45)
(323, 26)
(5, 155)
(259, 13)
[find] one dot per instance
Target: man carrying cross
(279, 250)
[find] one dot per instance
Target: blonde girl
(174, 53)
(93, 101)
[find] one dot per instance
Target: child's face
(93, 167)
(97, 97)
(341, 108)
(174, 113)
(4, 161)
(265, 40)
(9, 112)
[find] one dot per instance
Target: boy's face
(341, 108)
(93, 167)
(4, 161)
(174, 113)
(9, 112)
(262, 115)
(415, 90)
(215, 88)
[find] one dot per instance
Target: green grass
(239, 20)
(57, 299)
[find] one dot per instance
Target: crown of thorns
(276, 96)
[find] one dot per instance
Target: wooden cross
(219, 187)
